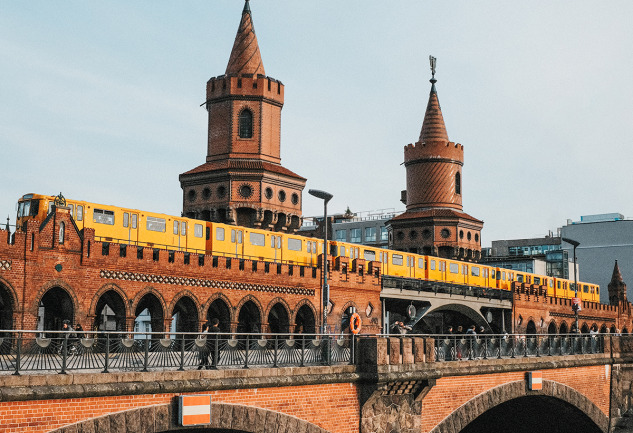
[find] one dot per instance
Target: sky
(101, 100)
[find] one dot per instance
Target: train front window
(27, 208)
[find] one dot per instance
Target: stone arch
(8, 304)
(301, 317)
(51, 284)
(281, 315)
(187, 311)
(108, 295)
(219, 305)
(179, 296)
(551, 328)
(485, 401)
(530, 327)
(68, 310)
(143, 299)
(564, 328)
(246, 318)
(225, 416)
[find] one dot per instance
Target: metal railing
(64, 352)
(465, 347)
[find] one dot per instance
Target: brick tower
(434, 222)
(243, 181)
(617, 288)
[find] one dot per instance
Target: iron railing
(63, 352)
(465, 347)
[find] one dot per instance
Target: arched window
(458, 183)
(62, 232)
(245, 124)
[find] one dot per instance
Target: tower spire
(245, 56)
(433, 128)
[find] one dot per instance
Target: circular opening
(426, 233)
(191, 195)
(269, 193)
(206, 193)
(400, 235)
(469, 236)
(413, 234)
(282, 195)
(221, 191)
(476, 237)
(246, 191)
(295, 198)
(461, 234)
(445, 233)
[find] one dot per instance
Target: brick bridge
(396, 386)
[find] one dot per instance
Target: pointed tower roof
(245, 57)
(617, 276)
(433, 128)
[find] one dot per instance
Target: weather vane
(433, 62)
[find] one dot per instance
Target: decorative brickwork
(5, 265)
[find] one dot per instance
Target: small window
(474, 271)
(101, 216)
(258, 239)
(453, 268)
(485, 272)
(236, 236)
(156, 224)
(183, 228)
(537, 280)
(134, 220)
(294, 244)
(442, 266)
(219, 233)
(245, 124)
(369, 255)
(62, 233)
(126, 219)
(464, 269)
(421, 263)
(342, 251)
(397, 259)
(432, 265)
(503, 276)
(197, 230)
(520, 278)
(176, 228)
(370, 234)
(458, 183)
(80, 212)
(585, 288)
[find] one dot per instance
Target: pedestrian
(203, 352)
(450, 330)
(460, 330)
(471, 330)
(215, 343)
(482, 330)
(79, 330)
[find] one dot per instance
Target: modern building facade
(243, 181)
(434, 221)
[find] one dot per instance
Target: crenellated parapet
(434, 151)
(245, 85)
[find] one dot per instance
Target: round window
(282, 195)
(400, 235)
(191, 195)
(206, 193)
(269, 193)
(469, 236)
(413, 234)
(246, 191)
(426, 233)
(461, 234)
(445, 233)
(476, 237)
(294, 198)
(221, 191)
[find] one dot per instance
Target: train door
(384, 262)
(465, 273)
(237, 239)
(130, 224)
(275, 244)
(443, 270)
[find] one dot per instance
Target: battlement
(434, 150)
(259, 86)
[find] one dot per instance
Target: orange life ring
(354, 323)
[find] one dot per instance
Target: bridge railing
(466, 347)
(63, 352)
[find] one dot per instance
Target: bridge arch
(278, 316)
(59, 303)
(473, 409)
(225, 417)
(304, 317)
(471, 314)
(219, 306)
(109, 308)
(8, 304)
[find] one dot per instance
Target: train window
(485, 272)
(236, 236)
(219, 233)
(342, 251)
(126, 219)
(27, 208)
(474, 271)
(80, 212)
(537, 280)
(183, 228)
(197, 230)
(453, 268)
(585, 288)
(432, 265)
(62, 232)
(465, 269)
(551, 283)
(176, 228)
(369, 255)
(397, 259)
(279, 243)
(503, 275)
(294, 244)
(258, 239)
(442, 266)
(421, 263)
(519, 278)
(494, 274)
(597, 290)
(134, 220)
(107, 217)
(314, 246)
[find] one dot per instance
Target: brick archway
(503, 393)
(225, 416)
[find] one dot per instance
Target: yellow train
(136, 227)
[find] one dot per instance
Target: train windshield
(28, 207)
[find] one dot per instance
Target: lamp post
(575, 306)
(326, 197)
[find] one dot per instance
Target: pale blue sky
(100, 100)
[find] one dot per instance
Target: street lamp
(326, 197)
(575, 306)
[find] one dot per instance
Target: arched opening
(551, 329)
(245, 216)
(249, 318)
(564, 329)
(584, 329)
(55, 307)
(110, 312)
(281, 222)
(345, 319)
(218, 309)
(149, 315)
(245, 124)
(625, 331)
(184, 317)
(613, 329)
(6, 308)
(458, 183)
(532, 414)
(530, 329)
(305, 321)
(278, 321)
(603, 329)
